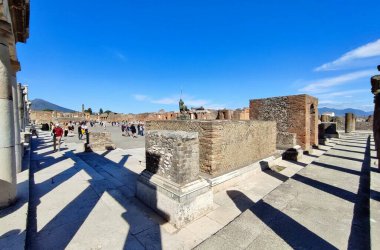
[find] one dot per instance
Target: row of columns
(13, 118)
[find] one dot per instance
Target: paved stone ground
(123, 142)
(86, 201)
(324, 206)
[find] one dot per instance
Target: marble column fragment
(18, 146)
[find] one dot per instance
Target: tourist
(66, 128)
(58, 132)
(80, 132)
(133, 130)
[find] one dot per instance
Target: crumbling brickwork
(294, 114)
(173, 155)
(226, 145)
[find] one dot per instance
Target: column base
(179, 204)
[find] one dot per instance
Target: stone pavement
(86, 201)
(323, 206)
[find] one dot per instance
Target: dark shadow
(152, 162)
(341, 193)
(375, 170)
(329, 166)
(350, 151)
(118, 181)
(350, 146)
(264, 165)
(293, 233)
(344, 157)
(276, 175)
(124, 159)
(360, 236)
(313, 156)
(297, 163)
(375, 195)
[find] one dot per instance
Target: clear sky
(136, 56)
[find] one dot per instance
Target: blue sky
(137, 56)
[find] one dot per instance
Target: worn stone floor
(86, 201)
(323, 206)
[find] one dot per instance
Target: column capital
(5, 32)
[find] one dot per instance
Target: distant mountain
(39, 104)
(342, 112)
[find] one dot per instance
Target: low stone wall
(226, 145)
(100, 141)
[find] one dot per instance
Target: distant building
(331, 114)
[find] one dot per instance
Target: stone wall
(173, 155)
(367, 124)
(294, 114)
(226, 145)
(100, 141)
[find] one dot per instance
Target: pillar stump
(170, 184)
(350, 123)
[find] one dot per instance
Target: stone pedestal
(350, 123)
(326, 131)
(99, 141)
(171, 184)
(286, 140)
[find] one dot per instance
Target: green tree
(89, 110)
(100, 111)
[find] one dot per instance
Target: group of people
(129, 129)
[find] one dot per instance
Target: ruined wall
(360, 125)
(294, 114)
(173, 155)
(226, 145)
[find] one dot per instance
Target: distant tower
(82, 108)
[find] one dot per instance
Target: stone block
(173, 155)
(170, 184)
(286, 140)
(178, 204)
(327, 130)
(293, 154)
(99, 141)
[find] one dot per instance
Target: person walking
(79, 132)
(58, 132)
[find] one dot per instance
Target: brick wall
(293, 114)
(226, 145)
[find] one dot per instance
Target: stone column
(8, 182)
(18, 146)
(375, 82)
(350, 123)
(20, 106)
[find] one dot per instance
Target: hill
(39, 105)
(342, 112)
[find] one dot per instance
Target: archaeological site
(271, 168)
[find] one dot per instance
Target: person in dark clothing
(133, 130)
(80, 132)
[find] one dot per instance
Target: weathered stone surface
(100, 141)
(226, 145)
(286, 140)
(350, 120)
(173, 155)
(293, 114)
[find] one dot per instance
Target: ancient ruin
(296, 117)
(14, 104)
(375, 83)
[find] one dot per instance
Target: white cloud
(346, 94)
(366, 51)
(325, 85)
(166, 101)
